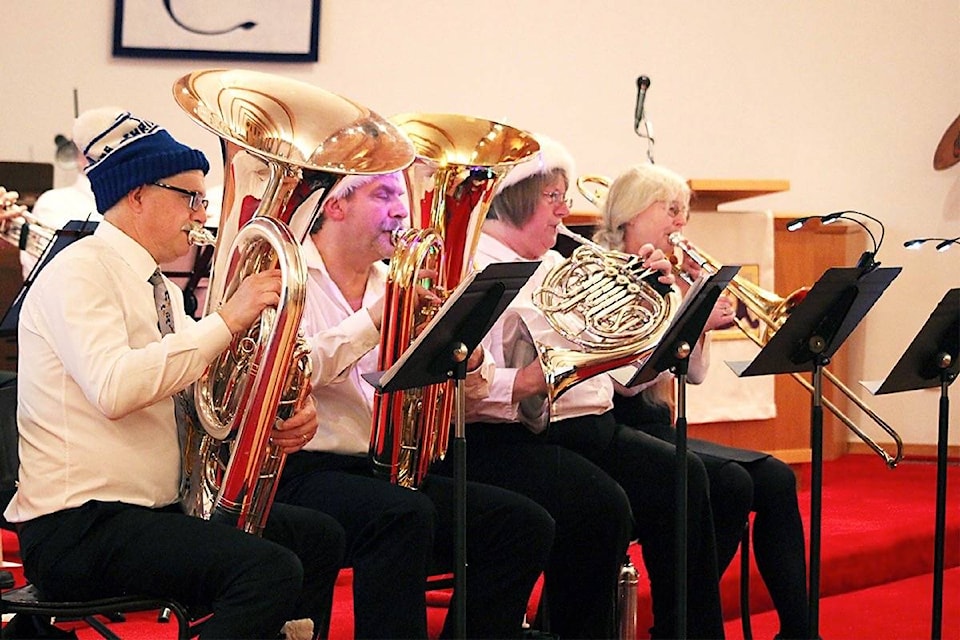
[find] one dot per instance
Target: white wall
(847, 99)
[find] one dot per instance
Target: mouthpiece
(197, 234)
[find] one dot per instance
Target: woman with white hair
(644, 205)
(504, 434)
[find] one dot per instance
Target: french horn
(602, 302)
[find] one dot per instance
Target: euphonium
(460, 162)
(286, 144)
(601, 301)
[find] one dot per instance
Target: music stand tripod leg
(460, 504)
(816, 493)
(682, 476)
(936, 630)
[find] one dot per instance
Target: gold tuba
(286, 144)
(771, 311)
(460, 162)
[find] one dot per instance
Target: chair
(32, 612)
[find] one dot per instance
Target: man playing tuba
(105, 350)
(396, 537)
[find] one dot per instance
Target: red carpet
(877, 555)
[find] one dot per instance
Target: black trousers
(742, 481)
(592, 514)
(252, 585)
(646, 469)
(396, 537)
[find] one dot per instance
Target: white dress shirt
(345, 344)
(95, 380)
(593, 396)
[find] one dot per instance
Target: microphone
(942, 243)
(866, 262)
(643, 83)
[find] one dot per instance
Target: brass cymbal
(948, 151)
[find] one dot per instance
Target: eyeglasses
(556, 197)
(675, 209)
(196, 200)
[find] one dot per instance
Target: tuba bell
(460, 162)
(286, 144)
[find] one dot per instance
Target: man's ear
(333, 209)
(135, 197)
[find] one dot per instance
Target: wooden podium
(800, 258)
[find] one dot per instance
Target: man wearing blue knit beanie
(106, 353)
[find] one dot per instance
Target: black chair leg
(745, 583)
(24, 625)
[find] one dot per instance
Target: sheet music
(437, 319)
(625, 375)
(871, 385)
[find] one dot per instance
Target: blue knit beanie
(124, 152)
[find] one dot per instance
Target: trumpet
(772, 311)
(22, 229)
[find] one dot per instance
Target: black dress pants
(646, 469)
(592, 514)
(396, 537)
(252, 585)
(742, 481)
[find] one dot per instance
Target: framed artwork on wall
(276, 31)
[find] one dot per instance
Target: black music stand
(933, 358)
(673, 353)
(439, 354)
(70, 233)
(813, 332)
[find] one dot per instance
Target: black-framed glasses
(556, 197)
(196, 199)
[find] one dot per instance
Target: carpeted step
(898, 610)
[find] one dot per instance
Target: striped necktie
(182, 401)
(161, 297)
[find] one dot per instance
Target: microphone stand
(682, 355)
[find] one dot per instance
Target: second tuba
(286, 144)
(459, 165)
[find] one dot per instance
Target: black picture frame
(187, 29)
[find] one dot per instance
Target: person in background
(522, 225)
(105, 357)
(56, 207)
(644, 205)
(396, 536)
